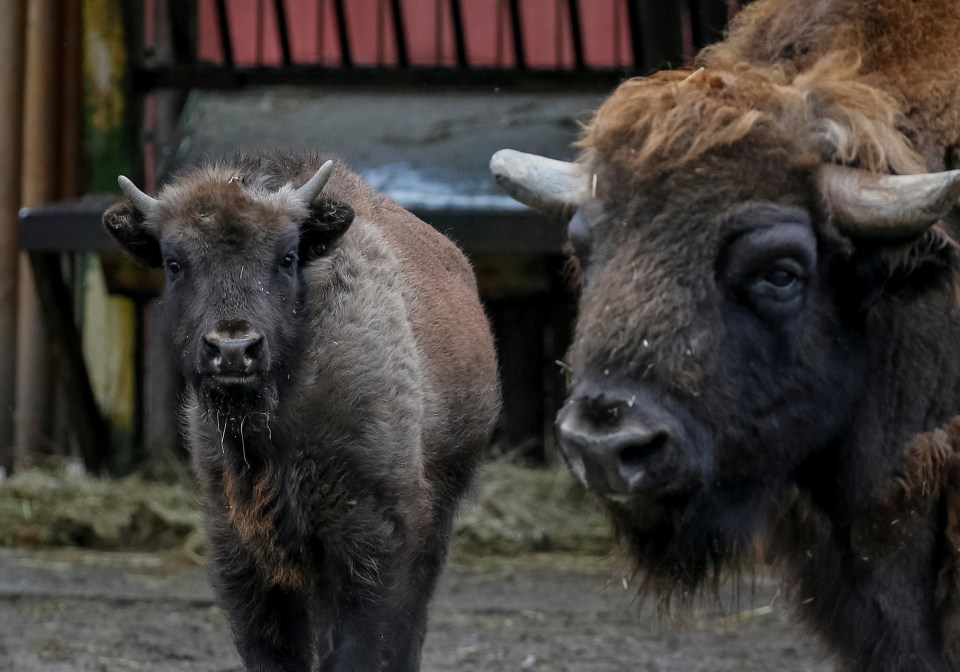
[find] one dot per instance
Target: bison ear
(928, 262)
(127, 226)
(322, 230)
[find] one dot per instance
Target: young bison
(341, 385)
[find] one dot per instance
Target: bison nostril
(634, 456)
(233, 355)
(254, 349)
(211, 348)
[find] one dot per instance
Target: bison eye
(289, 260)
(781, 278)
(780, 283)
(173, 266)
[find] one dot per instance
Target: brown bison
(767, 352)
(341, 387)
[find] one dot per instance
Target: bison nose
(608, 446)
(233, 352)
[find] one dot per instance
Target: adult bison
(767, 352)
(341, 387)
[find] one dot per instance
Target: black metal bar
(346, 58)
(516, 27)
(459, 36)
(636, 34)
(662, 34)
(707, 18)
(281, 14)
(82, 411)
(76, 225)
(576, 34)
(183, 30)
(212, 77)
(399, 33)
(226, 41)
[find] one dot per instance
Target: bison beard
(327, 339)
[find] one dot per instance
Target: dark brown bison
(767, 351)
(341, 388)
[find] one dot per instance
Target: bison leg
(272, 626)
(386, 631)
(385, 635)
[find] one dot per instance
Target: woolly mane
(671, 118)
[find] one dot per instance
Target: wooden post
(41, 114)
(11, 83)
(109, 324)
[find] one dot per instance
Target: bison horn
(315, 184)
(547, 185)
(866, 205)
(145, 204)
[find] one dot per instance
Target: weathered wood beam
(40, 173)
(11, 87)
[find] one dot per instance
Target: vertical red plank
(599, 18)
(545, 28)
(209, 49)
(420, 17)
(271, 37)
(242, 21)
(371, 36)
(302, 28)
(488, 33)
(149, 25)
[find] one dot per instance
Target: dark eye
(780, 283)
(289, 260)
(173, 266)
(781, 278)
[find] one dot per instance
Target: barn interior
(415, 95)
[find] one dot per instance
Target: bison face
(720, 350)
(716, 357)
(234, 255)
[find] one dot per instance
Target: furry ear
(322, 230)
(930, 262)
(908, 269)
(126, 224)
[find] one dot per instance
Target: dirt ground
(68, 610)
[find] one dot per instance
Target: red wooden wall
(429, 32)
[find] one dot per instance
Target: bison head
(726, 284)
(234, 242)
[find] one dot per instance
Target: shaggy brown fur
(798, 385)
(673, 118)
(868, 83)
(331, 473)
(907, 50)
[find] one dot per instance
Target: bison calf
(341, 385)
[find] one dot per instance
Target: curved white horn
(867, 205)
(547, 185)
(145, 204)
(312, 188)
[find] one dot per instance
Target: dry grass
(519, 510)
(56, 508)
(514, 511)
